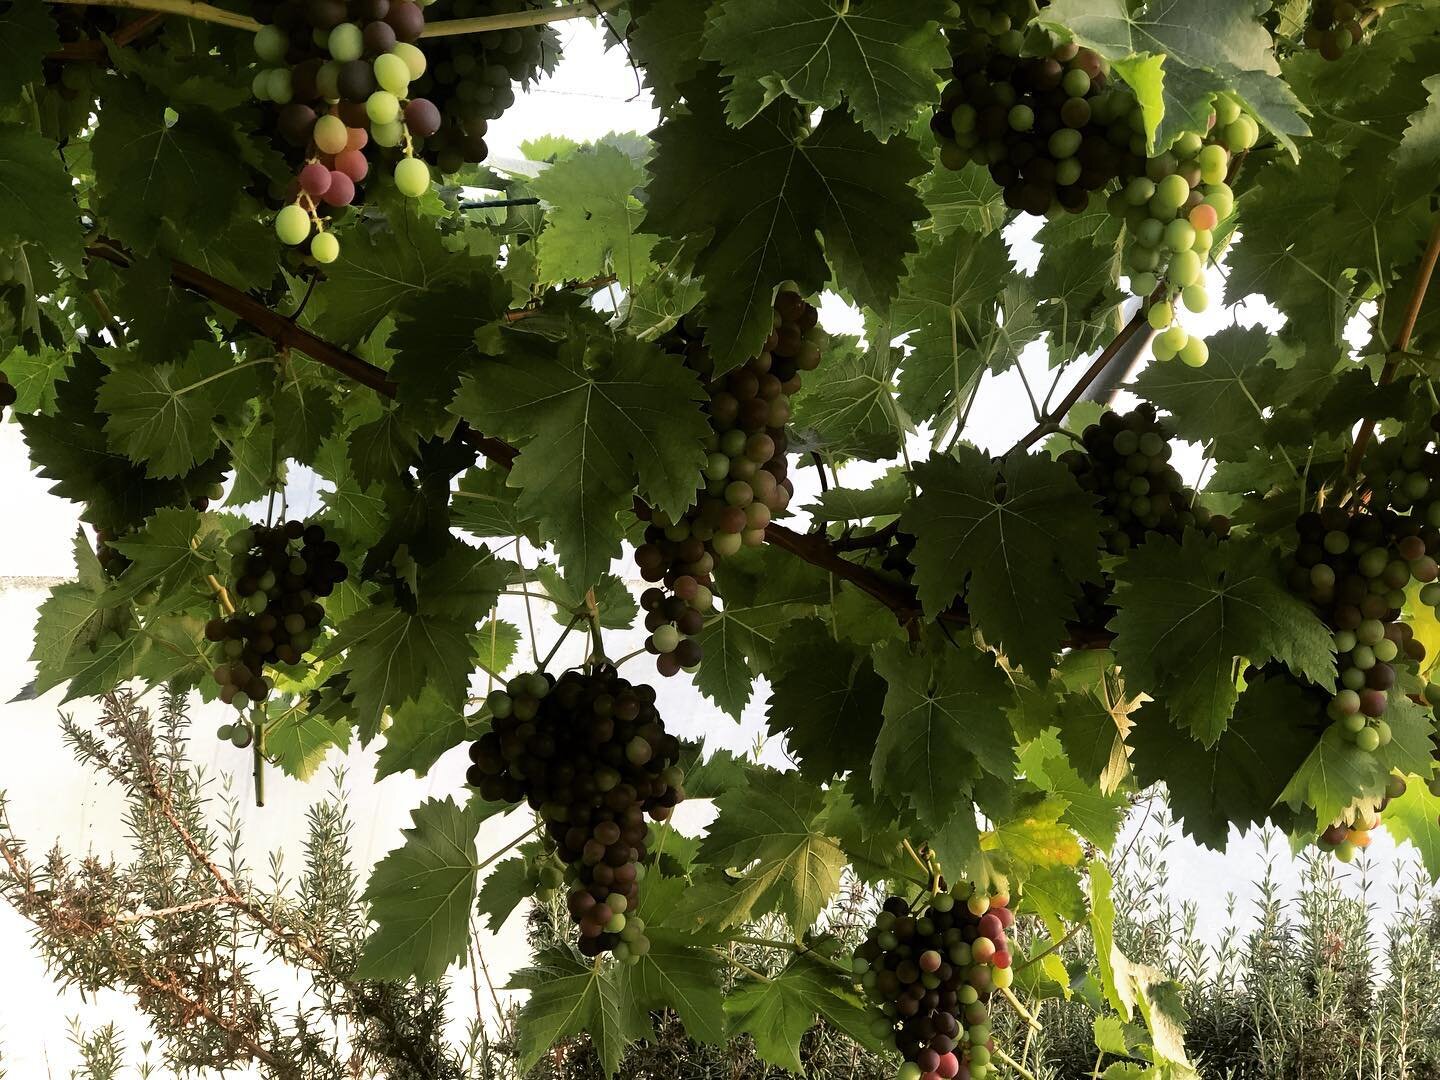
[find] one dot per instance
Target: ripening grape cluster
(590, 754)
(1354, 567)
(1170, 215)
(469, 77)
(280, 576)
(1336, 25)
(1125, 463)
(1050, 129)
(339, 73)
(745, 480)
(1345, 837)
(930, 973)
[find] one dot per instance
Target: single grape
(346, 42)
(412, 177)
(330, 134)
(292, 224)
(324, 248)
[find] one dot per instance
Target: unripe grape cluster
(1334, 26)
(1354, 567)
(590, 754)
(1050, 129)
(745, 480)
(1170, 214)
(930, 972)
(469, 77)
(1126, 464)
(1349, 834)
(281, 574)
(339, 74)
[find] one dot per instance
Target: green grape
(1143, 258)
(330, 134)
(1187, 145)
(223, 731)
(1195, 298)
(1221, 198)
(1144, 284)
(390, 134)
(1076, 83)
(1172, 192)
(392, 73)
(1179, 235)
(327, 80)
(324, 248)
(1383, 732)
(1068, 172)
(1022, 118)
(1227, 110)
(1139, 191)
(1194, 353)
(1204, 241)
(383, 107)
(260, 85)
(278, 87)
(1214, 164)
(1162, 349)
(1065, 142)
(1368, 739)
(1150, 232)
(271, 44)
(412, 177)
(1174, 339)
(665, 638)
(346, 42)
(1241, 134)
(412, 55)
(292, 224)
(1161, 314)
(1184, 269)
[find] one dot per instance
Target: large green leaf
(1415, 817)
(848, 408)
(778, 1012)
(568, 997)
(27, 35)
(593, 217)
(1016, 558)
(775, 207)
(1191, 613)
(880, 57)
(420, 895)
(36, 204)
(944, 722)
(591, 417)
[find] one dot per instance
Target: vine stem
(226, 604)
(1402, 341)
(1020, 1010)
(202, 12)
(1014, 1064)
(512, 844)
(558, 642)
(1139, 322)
(791, 946)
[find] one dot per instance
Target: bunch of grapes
(745, 479)
(8, 396)
(469, 78)
(1125, 463)
(930, 972)
(1354, 567)
(1403, 471)
(590, 754)
(280, 575)
(339, 73)
(1171, 213)
(1051, 129)
(1351, 833)
(1335, 25)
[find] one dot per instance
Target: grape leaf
(150, 168)
(393, 656)
(949, 309)
(778, 1012)
(1017, 561)
(944, 722)
(590, 417)
(420, 895)
(164, 415)
(825, 701)
(1222, 400)
(774, 207)
(507, 885)
(37, 205)
(170, 555)
(495, 643)
(763, 590)
(484, 505)
(27, 35)
(880, 57)
(299, 740)
(1188, 613)
(382, 449)
(422, 730)
(676, 974)
(1337, 772)
(666, 40)
(568, 997)
(613, 600)
(80, 637)
(884, 498)
(1093, 814)
(593, 217)
(767, 835)
(1218, 44)
(1415, 817)
(34, 375)
(1237, 779)
(962, 199)
(849, 408)
(1032, 838)
(1418, 156)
